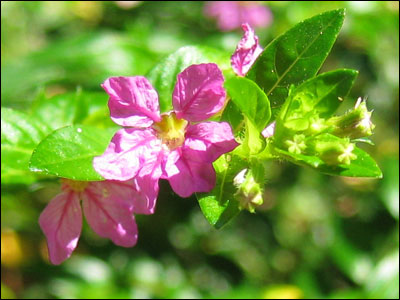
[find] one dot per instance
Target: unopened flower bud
(335, 152)
(354, 124)
(317, 125)
(249, 192)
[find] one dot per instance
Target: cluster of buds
(354, 124)
(249, 192)
(335, 152)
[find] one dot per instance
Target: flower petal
(190, 177)
(125, 191)
(269, 130)
(146, 183)
(109, 215)
(133, 101)
(61, 222)
(246, 51)
(207, 141)
(199, 92)
(125, 153)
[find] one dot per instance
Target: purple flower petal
(199, 92)
(61, 222)
(256, 15)
(133, 101)
(125, 191)
(146, 183)
(126, 152)
(109, 216)
(190, 177)
(227, 14)
(246, 52)
(269, 130)
(231, 14)
(207, 141)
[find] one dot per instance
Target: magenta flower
(108, 207)
(169, 146)
(246, 52)
(231, 15)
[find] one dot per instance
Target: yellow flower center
(76, 186)
(171, 130)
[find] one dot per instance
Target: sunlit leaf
(296, 55)
(219, 206)
(69, 152)
(20, 134)
(250, 100)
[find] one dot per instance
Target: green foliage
(296, 55)
(68, 152)
(250, 100)
(20, 134)
(315, 236)
(219, 206)
(81, 107)
(362, 166)
(87, 60)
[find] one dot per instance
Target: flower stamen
(171, 130)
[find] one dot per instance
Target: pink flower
(169, 146)
(246, 52)
(231, 15)
(108, 207)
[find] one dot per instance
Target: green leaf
(320, 95)
(362, 166)
(80, 107)
(233, 116)
(317, 97)
(69, 152)
(250, 100)
(57, 111)
(219, 206)
(20, 134)
(252, 143)
(296, 55)
(163, 75)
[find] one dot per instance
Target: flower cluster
(177, 145)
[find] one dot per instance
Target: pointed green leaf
(219, 206)
(321, 95)
(296, 55)
(317, 97)
(68, 152)
(250, 100)
(163, 75)
(252, 143)
(20, 134)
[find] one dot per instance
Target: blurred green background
(315, 236)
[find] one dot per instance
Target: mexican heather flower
(231, 15)
(246, 52)
(108, 207)
(170, 146)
